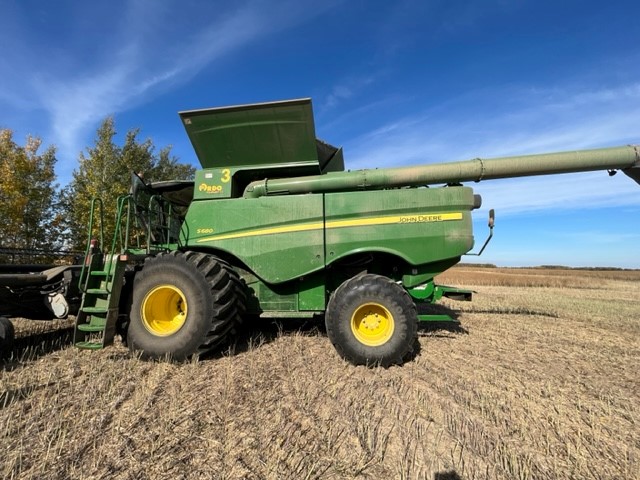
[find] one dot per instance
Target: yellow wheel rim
(164, 310)
(372, 324)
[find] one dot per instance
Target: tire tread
(371, 285)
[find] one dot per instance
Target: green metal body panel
(283, 238)
(420, 226)
(430, 293)
(279, 238)
(287, 243)
(266, 134)
(307, 294)
(424, 273)
(252, 142)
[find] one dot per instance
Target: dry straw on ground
(538, 381)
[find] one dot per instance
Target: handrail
(156, 211)
(124, 243)
(118, 231)
(94, 202)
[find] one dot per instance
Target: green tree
(104, 172)
(29, 196)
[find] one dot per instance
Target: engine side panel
(278, 238)
(420, 225)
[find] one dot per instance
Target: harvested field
(539, 380)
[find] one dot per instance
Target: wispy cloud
(345, 90)
(138, 59)
(559, 193)
(135, 72)
(524, 121)
(534, 122)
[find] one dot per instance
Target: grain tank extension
(272, 226)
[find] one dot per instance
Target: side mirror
(492, 221)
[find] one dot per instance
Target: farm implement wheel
(371, 320)
(164, 310)
(7, 334)
(183, 304)
(372, 324)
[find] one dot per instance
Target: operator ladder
(95, 325)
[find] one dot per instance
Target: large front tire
(183, 304)
(371, 320)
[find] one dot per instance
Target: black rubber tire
(7, 335)
(213, 294)
(356, 294)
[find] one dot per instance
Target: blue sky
(394, 83)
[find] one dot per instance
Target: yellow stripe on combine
(298, 227)
(355, 222)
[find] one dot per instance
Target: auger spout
(625, 158)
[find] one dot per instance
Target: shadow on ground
(257, 331)
(254, 331)
(450, 475)
(433, 327)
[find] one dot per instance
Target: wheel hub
(372, 324)
(164, 310)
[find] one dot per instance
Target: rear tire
(371, 320)
(184, 304)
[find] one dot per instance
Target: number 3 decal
(226, 175)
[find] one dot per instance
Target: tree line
(38, 215)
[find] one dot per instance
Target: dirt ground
(539, 379)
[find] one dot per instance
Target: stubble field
(538, 380)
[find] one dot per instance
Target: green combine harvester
(274, 227)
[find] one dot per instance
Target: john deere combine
(273, 226)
